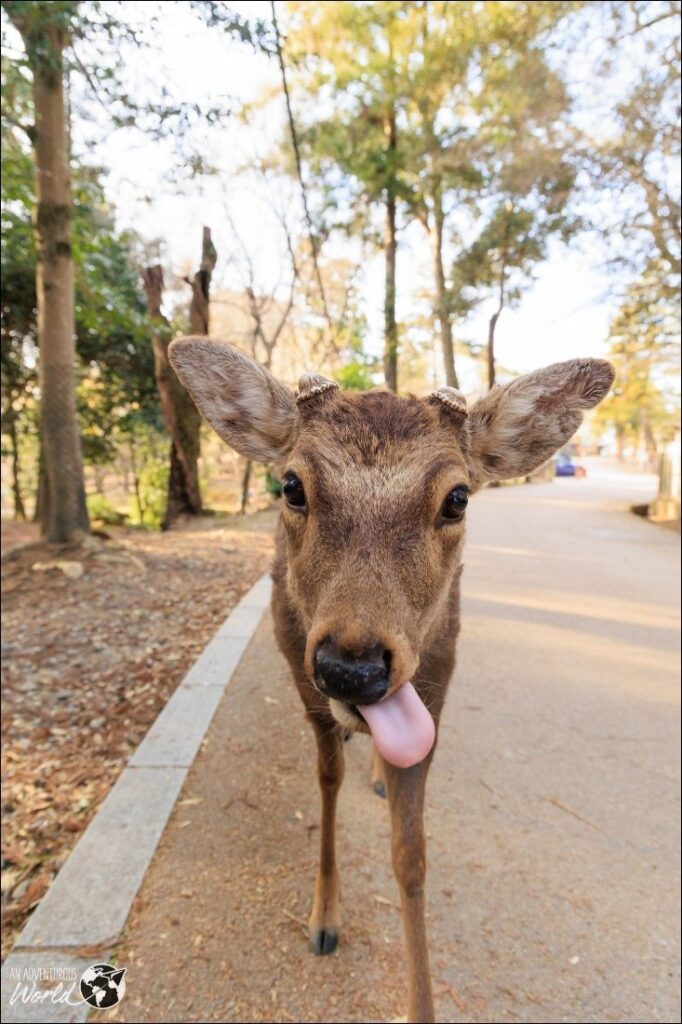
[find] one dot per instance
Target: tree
(45, 29)
(114, 366)
(633, 162)
(264, 311)
(643, 407)
(352, 57)
(51, 34)
(17, 281)
(502, 258)
(180, 414)
(430, 110)
(184, 424)
(484, 136)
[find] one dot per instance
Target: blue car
(565, 466)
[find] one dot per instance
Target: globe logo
(103, 986)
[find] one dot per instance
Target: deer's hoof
(324, 941)
(379, 787)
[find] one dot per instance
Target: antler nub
(453, 399)
(312, 384)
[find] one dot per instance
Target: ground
(88, 663)
(553, 848)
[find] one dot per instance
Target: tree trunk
(19, 510)
(491, 348)
(201, 286)
(181, 500)
(390, 248)
(41, 488)
(442, 310)
(136, 482)
(246, 480)
(651, 446)
(64, 515)
(179, 412)
(496, 315)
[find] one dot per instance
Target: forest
(373, 190)
(401, 195)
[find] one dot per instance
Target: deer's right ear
(238, 397)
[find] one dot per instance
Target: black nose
(356, 677)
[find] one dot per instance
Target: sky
(565, 314)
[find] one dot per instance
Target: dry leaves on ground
(88, 661)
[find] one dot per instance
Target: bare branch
(299, 171)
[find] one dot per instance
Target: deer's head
(375, 495)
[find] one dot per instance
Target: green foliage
(273, 485)
(478, 152)
(116, 367)
(112, 332)
(644, 404)
(504, 255)
(355, 375)
(633, 157)
(102, 510)
(116, 388)
(153, 491)
(39, 23)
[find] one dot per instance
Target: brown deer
(369, 557)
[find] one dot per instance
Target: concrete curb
(89, 901)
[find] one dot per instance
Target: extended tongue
(401, 727)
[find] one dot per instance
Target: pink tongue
(401, 727)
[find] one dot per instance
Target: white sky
(565, 313)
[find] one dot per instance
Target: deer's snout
(355, 677)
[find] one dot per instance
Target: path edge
(88, 903)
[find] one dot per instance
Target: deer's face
(375, 494)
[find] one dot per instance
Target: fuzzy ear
(514, 429)
(238, 397)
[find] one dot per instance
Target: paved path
(553, 854)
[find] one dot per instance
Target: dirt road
(553, 853)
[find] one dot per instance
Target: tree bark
(63, 512)
(136, 481)
(41, 488)
(491, 348)
(496, 315)
(442, 305)
(201, 286)
(179, 412)
(19, 509)
(246, 481)
(390, 249)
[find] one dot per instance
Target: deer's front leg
(406, 800)
(326, 914)
(378, 773)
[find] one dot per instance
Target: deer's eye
(292, 488)
(455, 504)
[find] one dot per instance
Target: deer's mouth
(347, 715)
(401, 725)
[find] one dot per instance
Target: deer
(366, 575)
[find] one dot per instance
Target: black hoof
(324, 941)
(379, 788)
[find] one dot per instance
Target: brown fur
(371, 559)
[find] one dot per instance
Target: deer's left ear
(239, 398)
(515, 428)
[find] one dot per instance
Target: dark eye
(292, 488)
(455, 503)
